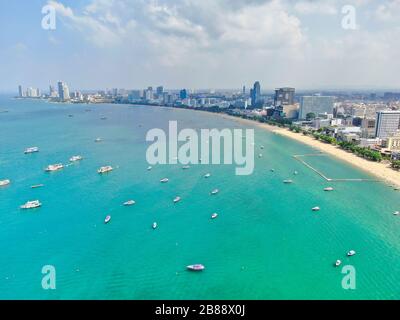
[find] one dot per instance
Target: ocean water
(265, 244)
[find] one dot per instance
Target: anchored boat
(31, 205)
(195, 267)
(4, 182)
(105, 169)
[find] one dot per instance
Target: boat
(129, 203)
(295, 173)
(396, 213)
(207, 175)
(107, 219)
(338, 263)
(272, 170)
(4, 182)
(31, 205)
(185, 167)
(36, 186)
(328, 189)
(76, 158)
(260, 155)
(155, 225)
(177, 199)
(105, 169)
(103, 118)
(214, 192)
(70, 115)
(316, 209)
(287, 181)
(165, 180)
(31, 150)
(262, 147)
(98, 140)
(54, 167)
(351, 253)
(149, 168)
(214, 215)
(195, 267)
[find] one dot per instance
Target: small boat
(129, 203)
(36, 186)
(177, 199)
(98, 140)
(70, 115)
(207, 175)
(316, 209)
(214, 215)
(260, 155)
(272, 170)
(155, 225)
(149, 168)
(165, 180)
(328, 189)
(103, 118)
(338, 263)
(396, 213)
(287, 181)
(214, 192)
(105, 169)
(295, 173)
(76, 158)
(4, 182)
(31, 205)
(351, 253)
(31, 150)
(107, 219)
(195, 267)
(185, 167)
(262, 147)
(54, 167)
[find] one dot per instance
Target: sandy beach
(381, 171)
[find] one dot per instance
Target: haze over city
(201, 44)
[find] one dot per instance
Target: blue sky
(200, 44)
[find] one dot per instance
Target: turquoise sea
(265, 244)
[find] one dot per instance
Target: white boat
(155, 225)
(31, 205)
(54, 167)
(338, 263)
(272, 170)
(351, 253)
(328, 189)
(4, 182)
(177, 199)
(287, 181)
(149, 168)
(107, 219)
(98, 140)
(207, 175)
(31, 150)
(214, 215)
(262, 147)
(196, 267)
(105, 169)
(76, 158)
(165, 180)
(214, 192)
(129, 203)
(260, 155)
(316, 209)
(185, 167)
(36, 186)
(295, 173)
(396, 213)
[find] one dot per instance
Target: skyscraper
(20, 91)
(387, 123)
(63, 91)
(255, 95)
(160, 91)
(315, 105)
(183, 94)
(284, 96)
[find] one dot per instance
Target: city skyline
(207, 44)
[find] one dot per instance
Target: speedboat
(107, 219)
(36, 186)
(98, 140)
(155, 225)
(351, 253)
(338, 263)
(328, 189)
(177, 199)
(214, 215)
(287, 181)
(396, 213)
(54, 167)
(31, 150)
(31, 205)
(129, 203)
(316, 209)
(149, 168)
(165, 180)
(105, 169)
(207, 175)
(214, 192)
(185, 167)
(4, 182)
(195, 267)
(76, 158)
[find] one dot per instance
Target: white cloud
(316, 7)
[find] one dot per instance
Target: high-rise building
(183, 94)
(315, 105)
(284, 96)
(255, 95)
(387, 123)
(160, 91)
(20, 91)
(63, 91)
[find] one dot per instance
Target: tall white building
(387, 123)
(63, 91)
(316, 105)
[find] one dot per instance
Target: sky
(198, 44)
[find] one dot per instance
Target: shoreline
(379, 170)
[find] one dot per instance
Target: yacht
(105, 169)
(177, 199)
(165, 180)
(31, 205)
(4, 182)
(36, 186)
(107, 219)
(215, 191)
(129, 203)
(31, 150)
(155, 225)
(196, 267)
(214, 215)
(207, 175)
(396, 213)
(316, 209)
(338, 263)
(328, 189)
(351, 253)
(54, 167)
(287, 181)
(76, 158)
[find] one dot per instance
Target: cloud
(316, 7)
(388, 12)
